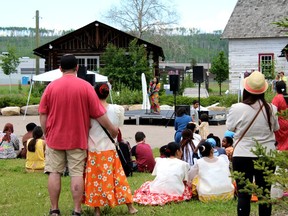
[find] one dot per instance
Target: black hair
(30, 126)
(281, 89)
(181, 111)
(205, 149)
(162, 151)
(68, 62)
(187, 140)
(171, 149)
(216, 138)
(195, 101)
(229, 140)
(204, 117)
(139, 136)
(191, 126)
(157, 80)
(37, 134)
(250, 99)
(102, 90)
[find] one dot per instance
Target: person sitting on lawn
(162, 151)
(35, 160)
(196, 137)
(227, 143)
(216, 144)
(188, 147)
(29, 127)
(9, 143)
(212, 181)
(170, 183)
(180, 123)
(142, 151)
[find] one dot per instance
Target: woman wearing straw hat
(252, 120)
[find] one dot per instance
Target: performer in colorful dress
(105, 180)
(154, 88)
(281, 102)
(170, 183)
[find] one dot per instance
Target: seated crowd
(194, 167)
(33, 146)
(197, 166)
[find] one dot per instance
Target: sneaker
(74, 213)
(55, 212)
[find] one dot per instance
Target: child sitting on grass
(142, 151)
(35, 158)
(169, 184)
(227, 143)
(212, 181)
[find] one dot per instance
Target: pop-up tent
(55, 74)
(52, 75)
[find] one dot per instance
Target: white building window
(90, 62)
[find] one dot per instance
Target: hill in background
(179, 44)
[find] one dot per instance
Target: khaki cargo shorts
(57, 160)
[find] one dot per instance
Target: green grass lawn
(26, 194)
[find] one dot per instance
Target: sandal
(55, 212)
(74, 213)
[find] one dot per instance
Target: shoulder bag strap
(113, 141)
(247, 128)
(108, 134)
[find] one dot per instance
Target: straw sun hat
(255, 83)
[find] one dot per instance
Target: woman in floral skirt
(105, 180)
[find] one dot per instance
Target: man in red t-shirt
(143, 153)
(66, 107)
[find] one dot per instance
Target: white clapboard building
(255, 43)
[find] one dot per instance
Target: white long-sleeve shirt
(239, 117)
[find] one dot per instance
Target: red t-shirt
(144, 157)
(69, 103)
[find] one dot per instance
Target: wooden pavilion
(88, 44)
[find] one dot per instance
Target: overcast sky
(206, 15)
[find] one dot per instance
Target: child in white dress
(212, 181)
(169, 184)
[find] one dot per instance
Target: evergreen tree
(220, 68)
(125, 68)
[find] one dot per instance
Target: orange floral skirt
(105, 180)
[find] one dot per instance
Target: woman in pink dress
(281, 102)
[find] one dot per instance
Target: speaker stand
(173, 114)
(199, 85)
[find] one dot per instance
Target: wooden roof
(254, 18)
(93, 38)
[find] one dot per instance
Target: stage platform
(166, 117)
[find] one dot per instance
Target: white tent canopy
(55, 74)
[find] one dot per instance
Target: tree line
(178, 44)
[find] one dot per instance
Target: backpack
(123, 149)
